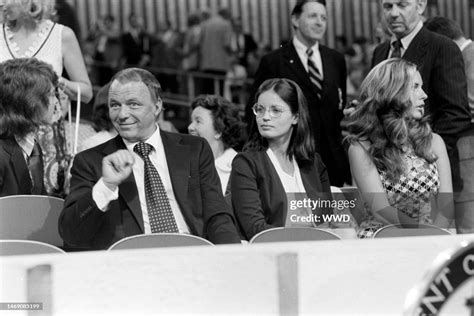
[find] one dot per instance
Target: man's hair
(444, 26)
(25, 88)
(298, 8)
(140, 75)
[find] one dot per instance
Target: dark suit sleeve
(449, 90)
(246, 197)
(218, 218)
(80, 219)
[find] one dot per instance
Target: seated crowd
(227, 182)
(146, 180)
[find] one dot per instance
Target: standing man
(144, 180)
(215, 49)
(442, 69)
(321, 74)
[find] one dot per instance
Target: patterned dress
(411, 194)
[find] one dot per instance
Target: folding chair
(280, 234)
(26, 247)
(399, 230)
(159, 240)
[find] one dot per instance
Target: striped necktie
(314, 74)
(159, 209)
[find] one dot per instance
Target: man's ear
(159, 107)
(421, 6)
(294, 22)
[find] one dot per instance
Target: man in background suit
(325, 103)
(442, 70)
(118, 189)
(136, 43)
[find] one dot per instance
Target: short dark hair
(226, 118)
(298, 8)
(302, 145)
(25, 88)
(444, 26)
(140, 75)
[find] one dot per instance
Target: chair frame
(255, 238)
(114, 246)
(418, 226)
(40, 245)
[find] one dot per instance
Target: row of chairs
(27, 221)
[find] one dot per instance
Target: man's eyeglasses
(273, 110)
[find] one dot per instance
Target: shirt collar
(154, 140)
(464, 45)
(406, 40)
(301, 48)
(27, 143)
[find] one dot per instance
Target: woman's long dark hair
(301, 145)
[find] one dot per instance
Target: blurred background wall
(267, 20)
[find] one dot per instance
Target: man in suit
(453, 31)
(28, 99)
(144, 180)
(242, 43)
(442, 70)
(326, 98)
(136, 43)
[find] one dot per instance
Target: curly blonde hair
(382, 119)
(33, 10)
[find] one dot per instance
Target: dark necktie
(314, 74)
(35, 166)
(159, 209)
(396, 49)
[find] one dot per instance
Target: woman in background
(397, 162)
(28, 99)
(27, 32)
(217, 120)
(278, 160)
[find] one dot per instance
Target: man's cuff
(102, 195)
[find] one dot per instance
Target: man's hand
(116, 168)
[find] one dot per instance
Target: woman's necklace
(43, 35)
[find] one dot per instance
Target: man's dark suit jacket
(441, 67)
(134, 49)
(195, 184)
(14, 175)
(326, 114)
(258, 197)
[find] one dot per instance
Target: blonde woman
(400, 166)
(28, 32)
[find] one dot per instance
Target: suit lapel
(295, 65)
(381, 53)
(178, 160)
(416, 51)
(18, 163)
(127, 189)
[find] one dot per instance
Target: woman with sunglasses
(279, 165)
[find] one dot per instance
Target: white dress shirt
(316, 57)
(103, 195)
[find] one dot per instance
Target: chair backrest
(31, 217)
(159, 240)
(279, 234)
(26, 247)
(399, 230)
